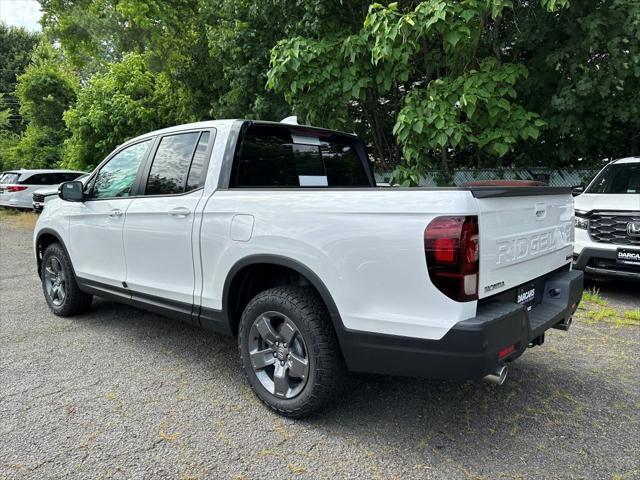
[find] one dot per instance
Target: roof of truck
(627, 160)
(227, 123)
(41, 170)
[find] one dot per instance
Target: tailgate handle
(541, 210)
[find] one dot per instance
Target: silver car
(17, 186)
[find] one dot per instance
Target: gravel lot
(121, 393)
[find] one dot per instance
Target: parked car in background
(277, 234)
(607, 220)
(41, 196)
(17, 186)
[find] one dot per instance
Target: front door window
(116, 177)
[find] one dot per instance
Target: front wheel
(59, 285)
(290, 352)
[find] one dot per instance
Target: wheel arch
(243, 270)
(46, 237)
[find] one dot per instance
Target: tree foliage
(585, 79)
(125, 101)
(16, 45)
(428, 84)
(435, 68)
(45, 91)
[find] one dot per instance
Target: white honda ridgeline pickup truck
(277, 234)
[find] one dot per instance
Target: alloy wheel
(55, 281)
(278, 354)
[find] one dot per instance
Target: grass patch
(18, 218)
(631, 317)
(593, 295)
(600, 314)
(297, 469)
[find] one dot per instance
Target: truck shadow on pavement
(570, 398)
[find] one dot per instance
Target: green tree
(45, 90)
(216, 50)
(16, 45)
(585, 79)
(435, 68)
(125, 101)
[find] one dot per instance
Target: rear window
(617, 178)
(9, 178)
(274, 156)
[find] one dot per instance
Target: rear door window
(179, 164)
(273, 156)
(196, 175)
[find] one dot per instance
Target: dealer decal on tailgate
(526, 295)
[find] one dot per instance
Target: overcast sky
(21, 13)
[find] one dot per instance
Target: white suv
(17, 187)
(607, 220)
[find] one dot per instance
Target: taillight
(452, 252)
(15, 188)
(506, 351)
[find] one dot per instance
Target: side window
(50, 178)
(32, 180)
(196, 173)
(116, 177)
(170, 165)
(40, 179)
(67, 177)
(178, 165)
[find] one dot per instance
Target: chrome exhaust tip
(499, 376)
(564, 325)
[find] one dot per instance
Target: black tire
(326, 371)
(70, 300)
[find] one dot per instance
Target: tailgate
(522, 237)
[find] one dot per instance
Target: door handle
(180, 212)
(116, 212)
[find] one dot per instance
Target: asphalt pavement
(121, 393)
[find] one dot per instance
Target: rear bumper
(601, 262)
(470, 349)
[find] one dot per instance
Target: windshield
(617, 178)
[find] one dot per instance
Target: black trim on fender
(37, 245)
(215, 320)
(293, 265)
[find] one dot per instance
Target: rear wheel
(289, 351)
(59, 285)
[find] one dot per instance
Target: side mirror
(577, 190)
(71, 191)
